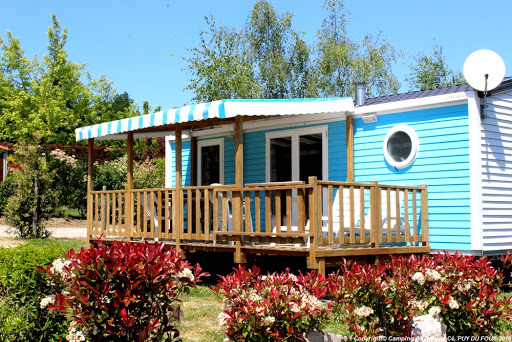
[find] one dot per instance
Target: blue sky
(139, 45)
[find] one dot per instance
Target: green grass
(72, 213)
(200, 310)
(64, 244)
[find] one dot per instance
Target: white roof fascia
(406, 105)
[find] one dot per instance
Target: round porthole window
(401, 146)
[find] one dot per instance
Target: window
(210, 159)
(401, 146)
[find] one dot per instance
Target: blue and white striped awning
(217, 109)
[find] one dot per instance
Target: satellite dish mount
(484, 70)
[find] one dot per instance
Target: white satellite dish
(484, 70)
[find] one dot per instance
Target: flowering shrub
(463, 290)
(382, 299)
(126, 291)
(149, 174)
(275, 307)
(372, 299)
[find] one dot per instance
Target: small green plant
(126, 291)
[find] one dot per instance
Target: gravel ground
(59, 228)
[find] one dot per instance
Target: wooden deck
(322, 221)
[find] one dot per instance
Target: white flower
(363, 311)
(311, 301)
(254, 297)
(293, 277)
(226, 304)
(452, 303)
(58, 266)
(294, 308)
(432, 275)
(465, 286)
(75, 335)
(186, 273)
(46, 301)
(434, 311)
(419, 278)
(269, 320)
(223, 318)
(419, 304)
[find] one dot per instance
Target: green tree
(343, 62)
(221, 66)
(269, 59)
(48, 99)
(432, 71)
(35, 199)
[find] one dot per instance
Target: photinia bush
(372, 299)
(275, 307)
(382, 299)
(463, 290)
(125, 291)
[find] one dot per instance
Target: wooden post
(237, 195)
(90, 188)
(128, 205)
(193, 161)
(424, 215)
(375, 212)
(313, 263)
(350, 148)
(178, 213)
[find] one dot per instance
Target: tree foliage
(45, 100)
(431, 71)
(268, 58)
(35, 199)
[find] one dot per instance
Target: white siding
(496, 149)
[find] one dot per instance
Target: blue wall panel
(442, 164)
(185, 162)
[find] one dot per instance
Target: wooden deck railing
(316, 215)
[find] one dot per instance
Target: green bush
(111, 174)
(7, 188)
(149, 174)
(71, 180)
(21, 289)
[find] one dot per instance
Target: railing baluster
(406, 217)
(268, 229)
(341, 209)
(362, 226)
(330, 234)
(257, 211)
(352, 215)
(415, 216)
(224, 212)
(206, 223)
(277, 201)
(198, 214)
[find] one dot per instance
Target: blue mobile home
(249, 151)
(465, 159)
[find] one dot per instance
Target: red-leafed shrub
(275, 307)
(382, 299)
(126, 291)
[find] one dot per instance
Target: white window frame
(206, 143)
(295, 134)
(415, 146)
